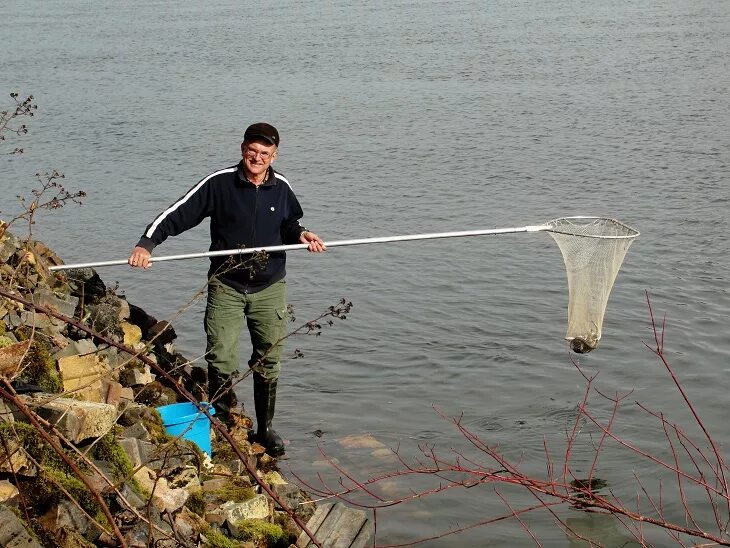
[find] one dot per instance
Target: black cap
(262, 130)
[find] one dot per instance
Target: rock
(86, 284)
(124, 312)
(8, 493)
(9, 244)
(82, 376)
(64, 516)
(132, 333)
(362, 441)
(215, 484)
(6, 414)
(185, 478)
(274, 478)
(137, 431)
(18, 463)
(258, 507)
(139, 317)
(76, 348)
(295, 499)
(99, 483)
(104, 317)
(163, 497)
(11, 357)
(77, 420)
(135, 376)
(63, 305)
(113, 392)
(137, 450)
(161, 333)
(13, 533)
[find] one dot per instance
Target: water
(411, 117)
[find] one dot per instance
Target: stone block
(132, 333)
(163, 497)
(138, 451)
(11, 357)
(18, 462)
(82, 376)
(134, 376)
(8, 493)
(137, 431)
(66, 305)
(13, 533)
(6, 414)
(161, 333)
(124, 311)
(79, 420)
(77, 348)
(112, 392)
(258, 507)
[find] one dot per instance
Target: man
(249, 205)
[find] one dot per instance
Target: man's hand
(140, 258)
(316, 244)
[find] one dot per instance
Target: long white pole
(361, 241)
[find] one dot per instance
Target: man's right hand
(140, 258)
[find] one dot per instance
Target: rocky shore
(84, 457)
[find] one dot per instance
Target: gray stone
(137, 450)
(13, 533)
(258, 507)
(138, 431)
(136, 377)
(38, 320)
(186, 478)
(131, 496)
(65, 516)
(163, 497)
(8, 246)
(79, 420)
(45, 297)
(8, 493)
(77, 348)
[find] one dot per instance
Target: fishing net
(593, 249)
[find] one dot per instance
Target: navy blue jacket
(241, 215)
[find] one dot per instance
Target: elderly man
(249, 205)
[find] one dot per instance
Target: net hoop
(568, 226)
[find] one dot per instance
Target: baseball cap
(262, 130)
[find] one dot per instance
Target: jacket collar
(269, 181)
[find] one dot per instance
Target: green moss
(237, 490)
(153, 423)
(216, 539)
(26, 436)
(39, 365)
(259, 532)
(47, 490)
(196, 503)
(5, 341)
(107, 448)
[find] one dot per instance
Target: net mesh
(593, 249)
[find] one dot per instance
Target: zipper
(253, 234)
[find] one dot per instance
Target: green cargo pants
(265, 314)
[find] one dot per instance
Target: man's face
(257, 156)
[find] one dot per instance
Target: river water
(409, 117)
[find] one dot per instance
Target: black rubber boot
(264, 397)
(220, 388)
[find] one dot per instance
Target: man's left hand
(316, 244)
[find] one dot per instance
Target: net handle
(292, 247)
(547, 227)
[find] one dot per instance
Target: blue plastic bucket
(187, 421)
